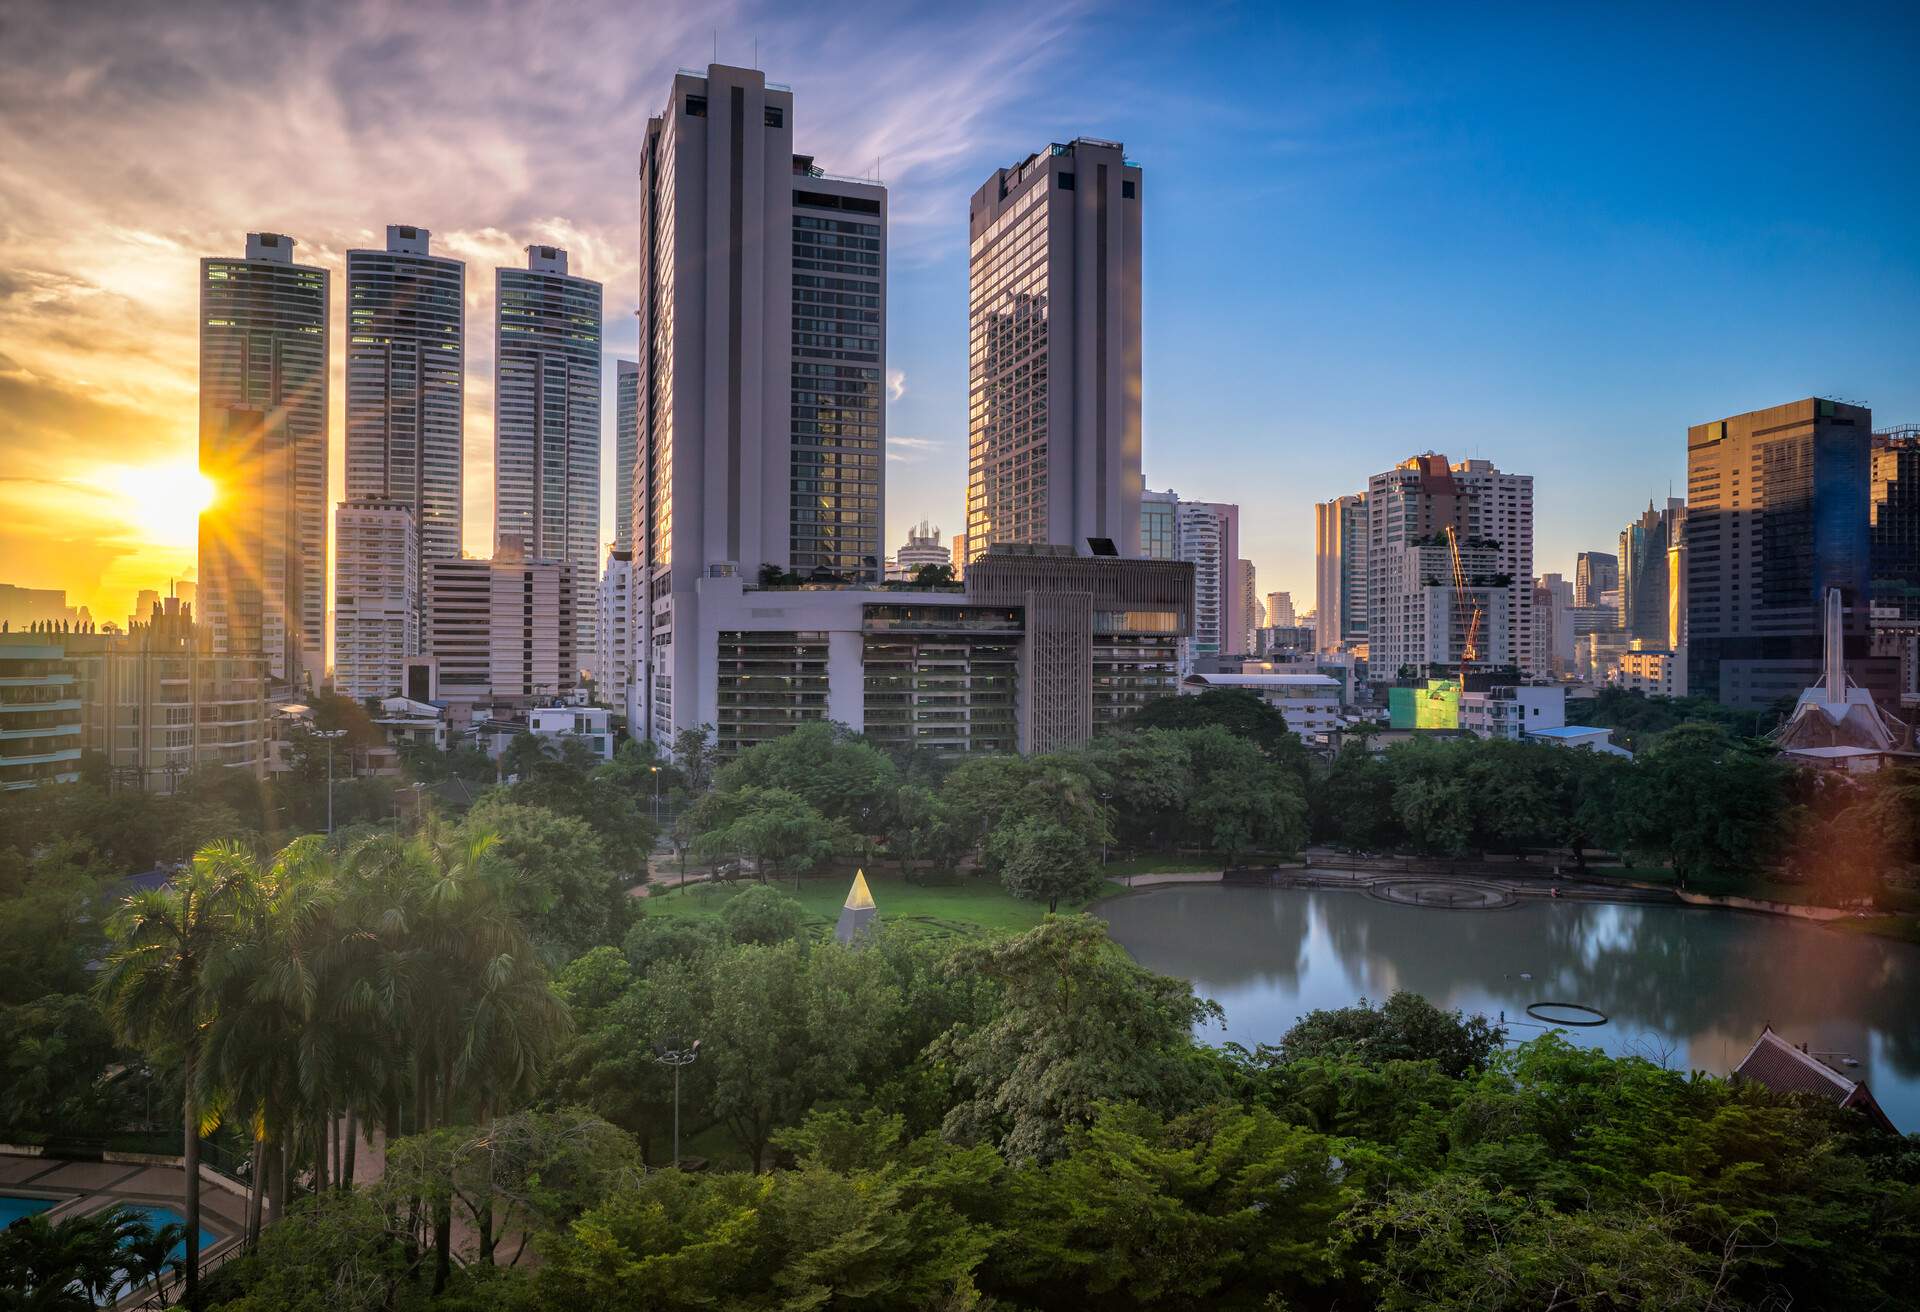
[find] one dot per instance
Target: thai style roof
(1775, 1064)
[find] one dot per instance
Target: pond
(1686, 985)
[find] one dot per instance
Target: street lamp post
(330, 735)
(669, 1054)
(656, 795)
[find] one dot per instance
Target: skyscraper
(1159, 534)
(248, 555)
(1777, 513)
(1208, 538)
(1280, 610)
(761, 370)
(1595, 573)
(1340, 574)
(626, 442)
(546, 418)
(376, 595)
(1895, 496)
(406, 356)
(1418, 515)
(1054, 342)
(1643, 571)
(263, 349)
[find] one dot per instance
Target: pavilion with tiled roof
(1775, 1064)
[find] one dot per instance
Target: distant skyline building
(626, 446)
(1208, 538)
(1159, 530)
(263, 349)
(249, 557)
(1895, 545)
(546, 417)
(761, 370)
(612, 663)
(1054, 347)
(1643, 571)
(1341, 583)
(1594, 574)
(924, 546)
(1778, 512)
(1279, 610)
(501, 631)
(406, 387)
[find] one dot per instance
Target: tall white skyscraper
(376, 621)
(406, 357)
(761, 370)
(1501, 513)
(612, 663)
(1340, 574)
(1054, 342)
(546, 417)
(1207, 536)
(263, 350)
(626, 445)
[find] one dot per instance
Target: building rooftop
(1266, 680)
(1775, 1064)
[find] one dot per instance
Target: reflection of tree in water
(1706, 979)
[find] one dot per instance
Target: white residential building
(546, 416)
(1054, 341)
(612, 665)
(924, 546)
(263, 353)
(1513, 712)
(587, 725)
(1207, 536)
(1310, 702)
(376, 597)
(626, 446)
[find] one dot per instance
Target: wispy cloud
(896, 384)
(912, 450)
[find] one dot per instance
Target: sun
(162, 503)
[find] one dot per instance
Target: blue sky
(1545, 236)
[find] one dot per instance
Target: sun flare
(162, 503)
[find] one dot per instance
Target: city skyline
(1582, 237)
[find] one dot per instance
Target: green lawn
(963, 907)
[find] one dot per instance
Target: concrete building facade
(1054, 351)
(376, 597)
(626, 448)
(501, 632)
(264, 351)
(1341, 579)
(612, 664)
(40, 712)
(1595, 573)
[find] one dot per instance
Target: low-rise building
(1591, 737)
(1513, 712)
(1310, 702)
(590, 726)
(1655, 673)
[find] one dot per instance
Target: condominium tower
(1595, 574)
(1054, 351)
(762, 365)
(546, 417)
(626, 442)
(406, 355)
(1340, 574)
(376, 597)
(1777, 514)
(263, 349)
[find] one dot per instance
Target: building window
(1065, 181)
(773, 116)
(1126, 191)
(696, 106)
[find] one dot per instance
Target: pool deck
(76, 1188)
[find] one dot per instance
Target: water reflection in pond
(1688, 985)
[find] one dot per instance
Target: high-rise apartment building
(501, 631)
(1249, 588)
(376, 620)
(263, 349)
(761, 375)
(406, 360)
(546, 417)
(1054, 351)
(40, 712)
(1159, 529)
(612, 663)
(1207, 536)
(1595, 573)
(626, 445)
(249, 556)
(1420, 614)
(1777, 513)
(1279, 610)
(1340, 574)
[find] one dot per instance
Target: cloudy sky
(1548, 239)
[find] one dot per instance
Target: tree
(1240, 799)
(1406, 1028)
(694, 752)
(564, 893)
(761, 914)
(1241, 713)
(779, 830)
(1714, 803)
(72, 1265)
(154, 992)
(933, 576)
(1043, 860)
(836, 772)
(1074, 1023)
(1352, 800)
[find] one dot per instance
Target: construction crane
(1462, 598)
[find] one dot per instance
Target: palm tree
(71, 1264)
(154, 993)
(148, 1254)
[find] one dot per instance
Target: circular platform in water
(1569, 1013)
(1448, 894)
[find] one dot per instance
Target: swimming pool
(15, 1206)
(155, 1217)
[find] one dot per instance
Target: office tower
(1643, 572)
(1553, 625)
(1279, 610)
(1340, 574)
(1419, 614)
(546, 417)
(376, 619)
(1249, 622)
(1054, 342)
(958, 557)
(1777, 513)
(612, 663)
(501, 631)
(1208, 538)
(1594, 573)
(1159, 532)
(838, 494)
(922, 547)
(263, 348)
(1895, 546)
(406, 356)
(761, 370)
(626, 443)
(247, 552)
